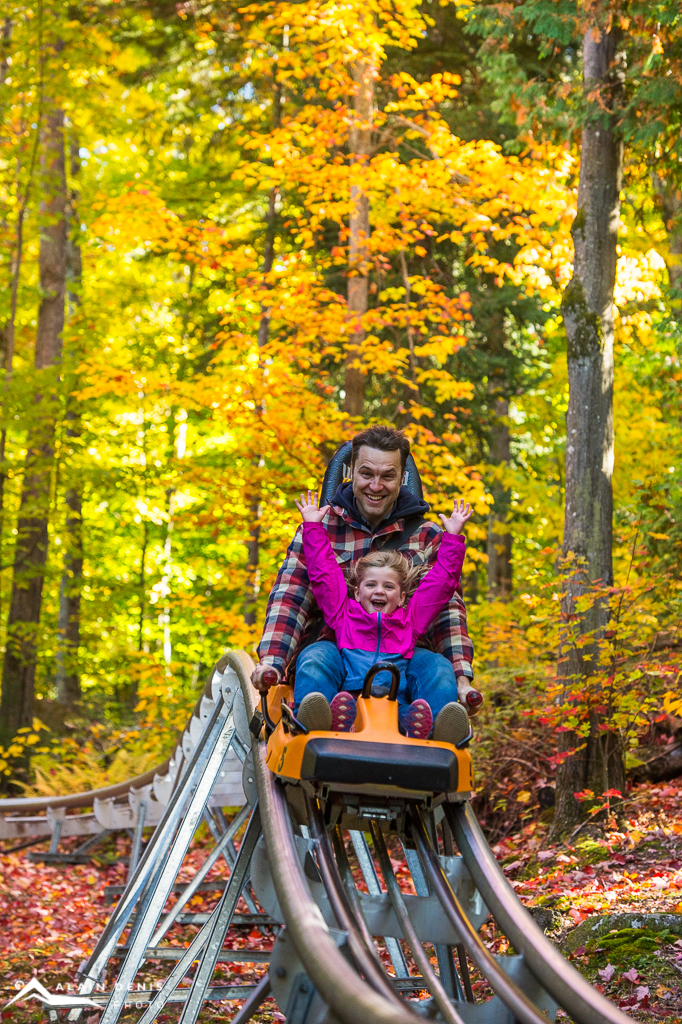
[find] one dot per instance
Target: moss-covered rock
(593, 851)
(623, 929)
(547, 918)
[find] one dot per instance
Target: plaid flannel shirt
(292, 602)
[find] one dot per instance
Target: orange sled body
(375, 758)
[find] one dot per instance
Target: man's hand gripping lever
(471, 699)
(263, 677)
(474, 699)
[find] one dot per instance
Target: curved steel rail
(512, 996)
(350, 998)
(360, 942)
(421, 958)
(561, 979)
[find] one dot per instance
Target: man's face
(376, 477)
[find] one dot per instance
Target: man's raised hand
(309, 510)
(461, 512)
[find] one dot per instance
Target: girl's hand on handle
(309, 510)
(461, 512)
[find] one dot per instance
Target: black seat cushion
(430, 769)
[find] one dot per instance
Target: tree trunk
(671, 201)
(358, 265)
(499, 451)
(499, 537)
(67, 678)
(17, 703)
(252, 586)
(141, 643)
(588, 316)
(165, 587)
(5, 35)
(74, 261)
(251, 589)
(9, 332)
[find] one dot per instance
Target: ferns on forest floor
(90, 769)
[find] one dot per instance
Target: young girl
(380, 624)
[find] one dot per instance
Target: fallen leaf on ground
(606, 973)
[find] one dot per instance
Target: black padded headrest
(338, 470)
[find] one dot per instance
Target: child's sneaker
(343, 712)
(315, 713)
(471, 699)
(417, 720)
(452, 724)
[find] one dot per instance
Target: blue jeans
(320, 669)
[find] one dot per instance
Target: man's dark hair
(384, 439)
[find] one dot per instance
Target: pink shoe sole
(417, 720)
(343, 712)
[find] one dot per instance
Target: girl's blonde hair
(406, 573)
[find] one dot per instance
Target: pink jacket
(357, 629)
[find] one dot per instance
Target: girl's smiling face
(380, 590)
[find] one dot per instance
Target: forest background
(234, 234)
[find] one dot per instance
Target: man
(371, 511)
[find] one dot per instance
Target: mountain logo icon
(38, 991)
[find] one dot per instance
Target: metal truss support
(81, 855)
(154, 876)
(207, 944)
(369, 873)
(448, 975)
(136, 844)
(193, 886)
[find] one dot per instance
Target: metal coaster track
(325, 966)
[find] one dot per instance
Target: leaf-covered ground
(636, 872)
(50, 916)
